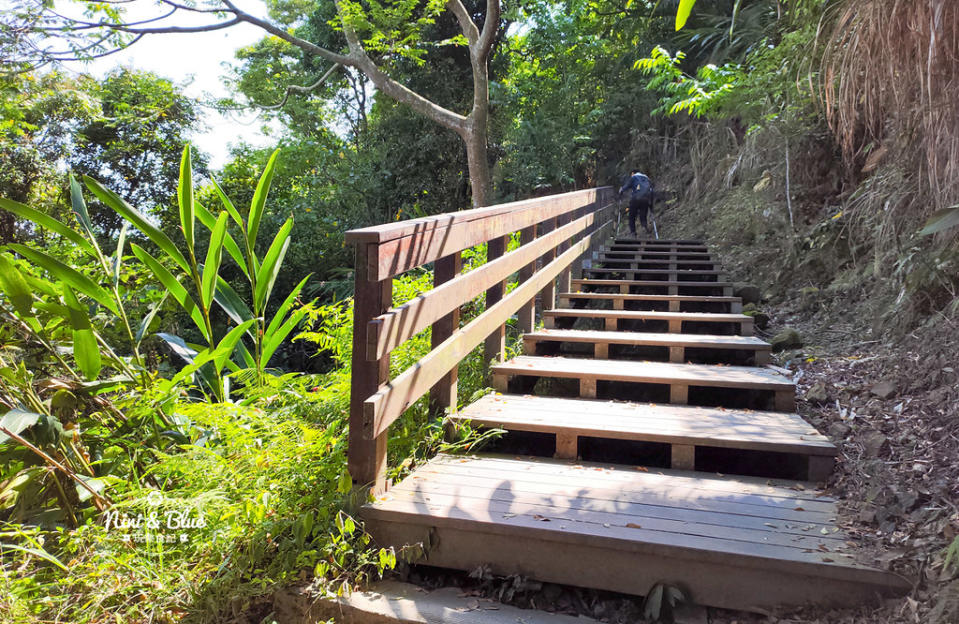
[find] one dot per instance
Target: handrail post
(526, 316)
(366, 458)
(564, 284)
(548, 294)
(443, 394)
(495, 344)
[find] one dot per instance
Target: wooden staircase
(666, 451)
(730, 541)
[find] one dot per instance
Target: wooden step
(689, 255)
(667, 274)
(734, 543)
(684, 247)
(682, 427)
(671, 286)
(675, 342)
(659, 242)
(675, 320)
(679, 377)
(650, 262)
(734, 304)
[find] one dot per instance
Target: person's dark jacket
(640, 187)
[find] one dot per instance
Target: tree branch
(467, 25)
(490, 26)
(298, 89)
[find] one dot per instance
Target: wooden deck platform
(675, 343)
(736, 543)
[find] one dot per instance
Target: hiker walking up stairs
(647, 361)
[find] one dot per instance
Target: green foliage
(943, 220)
(700, 96)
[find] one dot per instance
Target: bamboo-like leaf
(68, 275)
(246, 356)
(272, 261)
(148, 319)
(36, 552)
(682, 13)
(48, 223)
(259, 200)
(285, 307)
(80, 208)
(15, 287)
(118, 256)
(214, 255)
(86, 351)
(276, 338)
(228, 344)
(228, 205)
(941, 221)
(184, 195)
(130, 213)
(207, 218)
(231, 302)
(174, 287)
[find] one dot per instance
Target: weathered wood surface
(676, 320)
(630, 529)
(673, 286)
(677, 343)
(673, 424)
(618, 300)
(742, 377)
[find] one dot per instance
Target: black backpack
(643, 189)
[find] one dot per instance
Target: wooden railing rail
(555, 233)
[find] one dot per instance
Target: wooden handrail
(555, 232)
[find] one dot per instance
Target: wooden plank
(745, 377)
(683, 457)
(402, 254)
(675, 319)
(704, 341)
(600, 296)
(391, 329)
(577, 284)
(389, 402)
(632, 259)
(700, 426)
(366, 459)
(428, 225)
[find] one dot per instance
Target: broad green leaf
(129, 213)
(17, 421)
(48, 223)
(285, 307)
(148, 319)
(86, 351)
(682, 13)
(179, 346)
(214, 255)
(68, 275)
(272, 262)
(276, 338)
(95, 484)
(231, 302)
(207, 218)
(118, 257)
(174, 287)
(259, 200)
(228, 344)
(184, 195)
(246, 355)
(228, 204)
(941, 221)
(15, 287)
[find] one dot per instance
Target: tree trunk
(478, 161)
